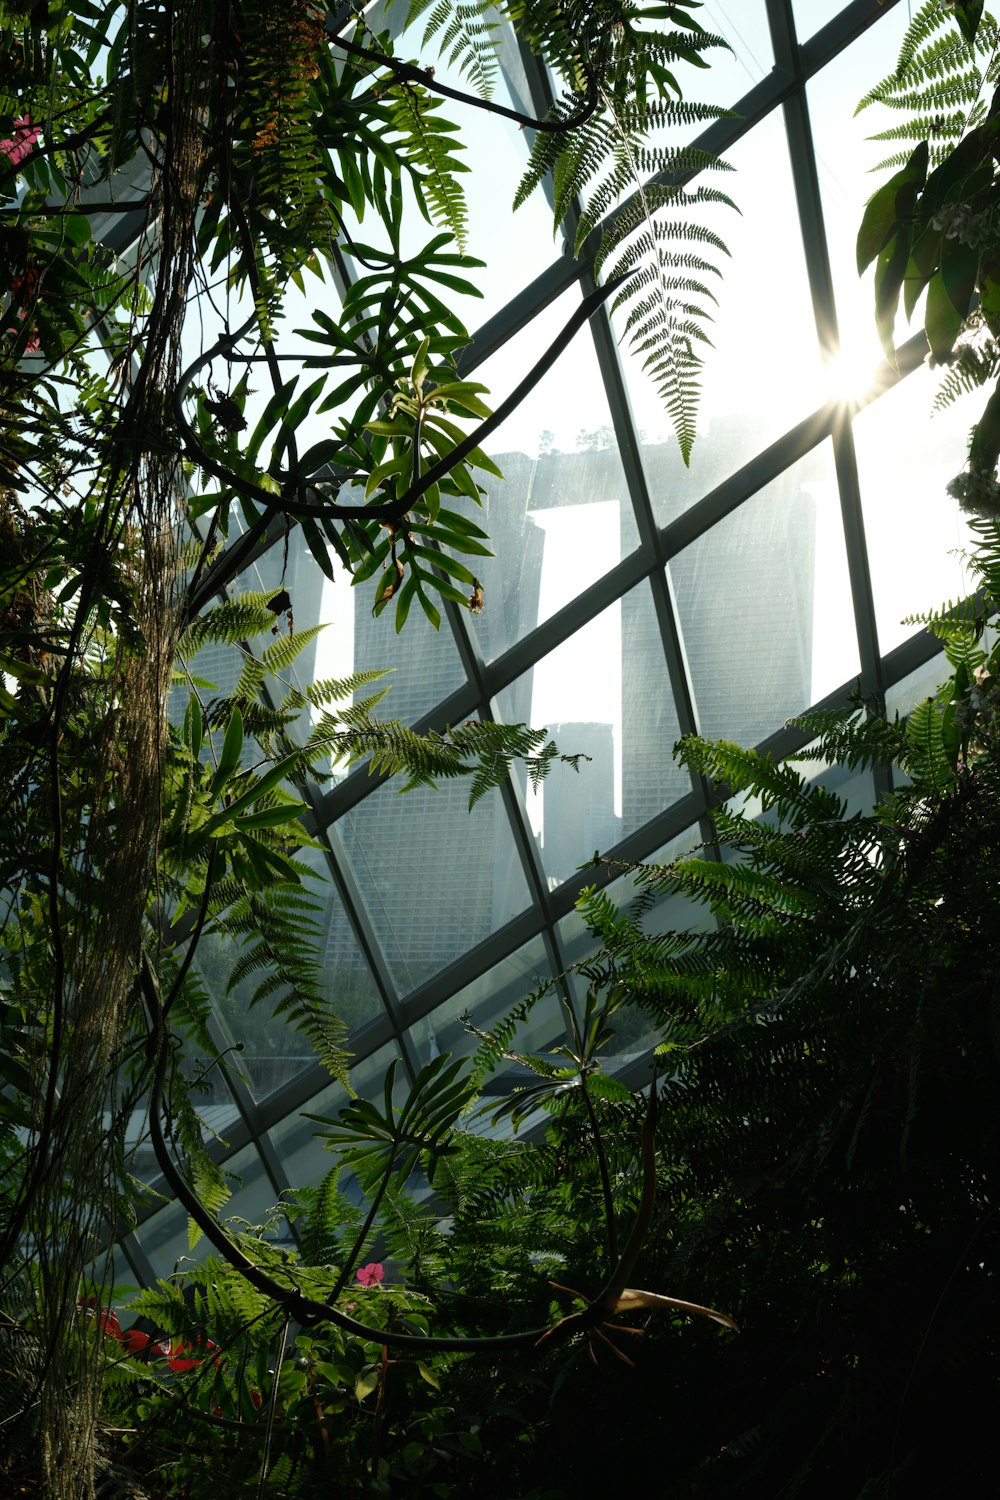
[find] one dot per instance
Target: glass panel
(635, 1032)
(555, 521)
(812, 15)
(577, 692)
(915, 532)
(424, 662)
(749, 598)
(732, 73)
(845, 159)
(487, 999)
(273, 1050)
(755, 384)
(435, 880)
(916, 686)
(164, 1237)
(555, 525)
(302, 1154)
(651, 778)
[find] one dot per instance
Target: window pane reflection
(487, 1000)
(765, 619)
(915, 532)
(435, 880)
(757, 381)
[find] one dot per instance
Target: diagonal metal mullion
(664, 599)
(810, 207)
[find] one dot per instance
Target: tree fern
(428, 140)
(627, 70)
(466, 32)
(938, 81)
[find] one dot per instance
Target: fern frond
(281, 654)
(277, 939)
(466, 32)
(778, 785)
(427, 144)
(331, 689)
(852, 738)
(987, 552)
(495, 1044)
(228, 624)
(927, 760)
(938, 82)
(976, 364)
(212, 1185)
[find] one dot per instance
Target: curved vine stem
(307, 1310)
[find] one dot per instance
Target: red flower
(134, 1341)
(371, 1274)
(179, 1358)
(25, 138)
(108, 1321)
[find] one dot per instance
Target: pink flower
(25, 138)
(371, 1274)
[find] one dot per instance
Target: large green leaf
(891, 208)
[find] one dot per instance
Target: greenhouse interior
(503, 827)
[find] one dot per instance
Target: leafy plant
(932, 227)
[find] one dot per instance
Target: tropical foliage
(933, 227)
(169, 177)
(813, 1152)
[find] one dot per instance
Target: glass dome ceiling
(630, 600)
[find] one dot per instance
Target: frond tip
(626, 183)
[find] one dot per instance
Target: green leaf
(959, 269)
(366, 1382)
(968, 14)
(23, 671)
(433, 614)
(428, 1375)
(260, 787)
(984, 449)
(418, 373)
(403, 601)
(232, 748)
(989, 294)
(891, 207)
(890, 270)
(193, 731)
(942, 322)
(922, 265)
(271, 817)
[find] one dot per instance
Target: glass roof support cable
(810, 209)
